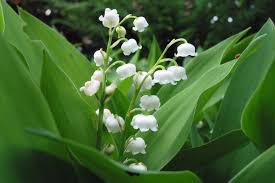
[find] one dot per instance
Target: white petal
(125, 71)
(139, 167)
(150, 103)
(186, 49)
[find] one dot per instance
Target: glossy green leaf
(154, 53)
(259, 170)
(199, 65)
(175, 119)
(74, 117)
(258, 120)
(110, 170)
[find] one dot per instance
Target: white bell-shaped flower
(99, 56)
(136, 146)
(139, 77)
(125, 71)
(110, 89)
(110, 18)
(130, 46)
(114, 124)
(150, 103)
(139, 167)
(97, 75)
(178, 72)
(164, 77)
(106, 113)
(186, 49)
(140, 24)
(91, 87)
(145, 123)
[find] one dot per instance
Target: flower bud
(110, 18)
(139, 167)
(140, 24)
(109, 149)
(110, 89)
(136, 146)
(150, 103)
(186, 49)
(99, 56)
(144, 123)
(121, 31)
(114, 124)
(163, 77)
(98, 75)
(178, 73)
(125, 71)
(91, 87)
(130, 46)
(139, 77)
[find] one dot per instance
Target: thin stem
(118, 41)
(169, 60)
(102, 97)
(113, 64)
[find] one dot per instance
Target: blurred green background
(203, 22)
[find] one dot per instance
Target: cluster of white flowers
(144, 121)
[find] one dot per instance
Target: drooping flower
(109, 149)
(144, 123)
(139, 167)
(163, 77)
(140, 24)
(139, 77)
(149, 103)
(91, 87)
(136, 146)
(186, 49)
(99, 56)
(110, 89)
(178, 73)
(125, 71)
(130, 46)
(106, 113)
(98, 75)
(110, 18)
(114, 124)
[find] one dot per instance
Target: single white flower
(178, 72)
(110, 18)
(97, 75)
(163, 77)
(91, 87)
(140, 24)
(139, 77)
(186, 49)
(114, 124)
(125, 71)
(139, 167)
(99, 56)
(149, 103)
(130, 46)
(110, 89)
(136, 146)
(106, 113)
(145, 123)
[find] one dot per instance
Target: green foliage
(43, 111)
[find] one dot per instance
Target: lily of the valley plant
(142, 106)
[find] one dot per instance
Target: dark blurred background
(203, 22)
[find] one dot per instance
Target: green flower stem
(103, 95)
(169, 60)
(113, 64)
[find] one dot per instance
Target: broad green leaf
(259, 170)
(110, 170)
(258, 120)
(74, 117)
(154, 53)
(65, 55)
(253, 66)
(198, 157)
(2, 19)
(32, 51)
(199, 65)
(175, 119)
